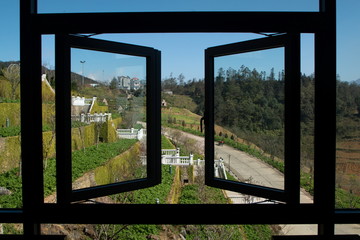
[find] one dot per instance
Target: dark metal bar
(248, 46)
(11, 216)
(154, 118)
(292, 118)
(63, 118)
(108, 189)
(109, 46)
(159, 214)
(325, 118)
(31, 127)
(209, 119)
(347, 216)
(161, 22)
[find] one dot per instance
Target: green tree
(113, 83)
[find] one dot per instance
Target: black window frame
(63, 45)
(291, 44)
(322, 212)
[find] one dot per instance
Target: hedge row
(82, 137)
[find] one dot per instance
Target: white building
(128, 83)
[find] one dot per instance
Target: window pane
(307, 117)
(249, 117)
(10, 136)
(48, 120)
(108, 118)
(10, 130)
(347, 110)
(68, 6)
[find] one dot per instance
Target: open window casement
(145, 111)
(289, 44)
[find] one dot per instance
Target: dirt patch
(348, 165)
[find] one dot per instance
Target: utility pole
(82, 63)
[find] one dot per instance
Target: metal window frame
(63, 45)
(291, 44)
(322, 24)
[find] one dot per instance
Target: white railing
(172, 157)
(91, 118)
(82, 101)
(175, 160)
(168, 152)
(143, 160)
(131, 133)
(219, 168)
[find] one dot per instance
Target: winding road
(248, 168)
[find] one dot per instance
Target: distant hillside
(78, 78)
(180, 101)
(6, 64)
(51, 74)
(357, 81)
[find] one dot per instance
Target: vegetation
(199, 193)
(9, 114)
(193, 193)
(12, 74)
(82, 162)
(256, 103)
(11, 181)
(165, 143)
(124, 167)
(180, 101)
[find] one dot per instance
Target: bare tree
(12, 73)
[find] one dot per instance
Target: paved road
(251, 169)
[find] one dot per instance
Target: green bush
(108, 132)
(82, 161)
(9, 131)
(345, 199)
(98, 109)
(10, 153)
(190, 194)
(165, 143)
(151, 194)
(11, 181)
(257, 232)
(123, 167)
(94, 156)
(10, 111)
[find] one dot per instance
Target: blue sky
(183, 53)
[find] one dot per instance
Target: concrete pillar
(191, 159)
(96, 117)
(177, 155)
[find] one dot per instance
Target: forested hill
(249, 100)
